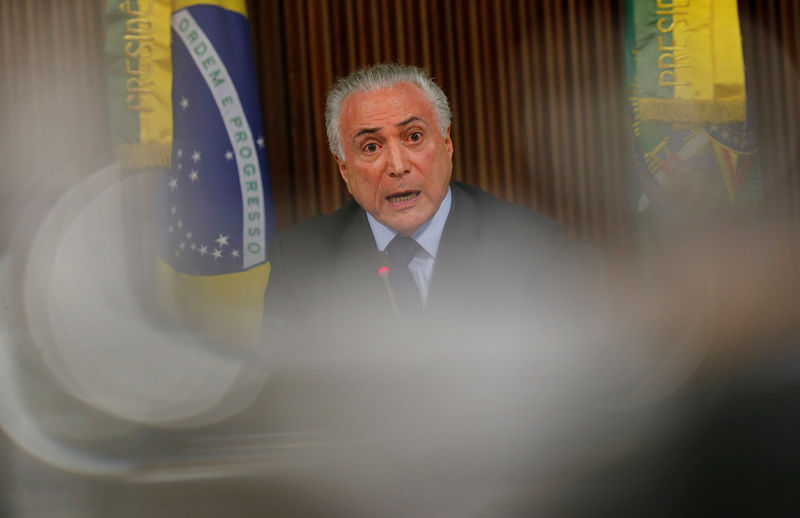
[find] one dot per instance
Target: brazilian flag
(182, 80)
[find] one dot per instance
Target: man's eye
(371, 147)
(415, 136)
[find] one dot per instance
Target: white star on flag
(234, 253)
(203, 250)
(260, 141)
(180, 223)
(184, 102)
(179, 166)
(179, 152)
(182, 245)
(193, 176)
(173, 209)
(195, 156)
(229, 155)
(188, 235)
(222, 240)
(173, 184)
(193, 247)
(216, 253)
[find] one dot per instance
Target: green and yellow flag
(140, 81)
(693, 141)
(184, 102)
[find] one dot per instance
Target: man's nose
(396, 159)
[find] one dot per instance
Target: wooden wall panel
(771, 41)
(271, 71)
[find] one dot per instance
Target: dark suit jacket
(410, 408)
(495, 260)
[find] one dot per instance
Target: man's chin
(407, 224)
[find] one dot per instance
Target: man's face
(397, 164)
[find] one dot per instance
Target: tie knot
(401, 250)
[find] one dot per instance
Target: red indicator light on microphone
(383, 271)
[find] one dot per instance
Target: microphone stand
(383, 273)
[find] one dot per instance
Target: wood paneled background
(771, 46)
(536, 88)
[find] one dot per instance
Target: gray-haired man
(469, 255)
(452, 361)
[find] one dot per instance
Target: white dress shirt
(428, 236)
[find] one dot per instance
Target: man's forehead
(396, 105)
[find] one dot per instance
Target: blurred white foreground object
(91, 320)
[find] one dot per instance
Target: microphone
(383, 273)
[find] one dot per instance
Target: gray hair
(375, 77)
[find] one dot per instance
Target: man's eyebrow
(365, 131)
(409, 120)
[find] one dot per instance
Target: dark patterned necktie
(401, 251)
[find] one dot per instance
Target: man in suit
(447, 381)
(473, 258)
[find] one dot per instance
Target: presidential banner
(214, 204)
(139, 81)
(694, 147)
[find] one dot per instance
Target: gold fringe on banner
(689, 110)
(143, 156)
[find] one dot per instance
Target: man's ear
(448, 142)
(342, 169)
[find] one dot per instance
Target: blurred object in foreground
(75, 312)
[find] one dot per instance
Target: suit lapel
(458, 259)
(357, 262)
(459, 255)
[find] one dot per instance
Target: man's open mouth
(402, 196)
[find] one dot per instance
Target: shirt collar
(427, 235)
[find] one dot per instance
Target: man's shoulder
(313, 243)
(503, 219)
(323, 228)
